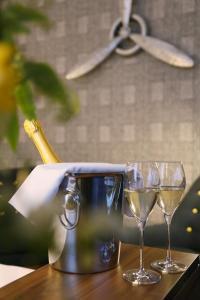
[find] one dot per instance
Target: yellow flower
(9, 77)
(8, 82)
(7, 52)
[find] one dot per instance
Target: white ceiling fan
(122, 31)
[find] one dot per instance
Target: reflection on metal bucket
(86, 230)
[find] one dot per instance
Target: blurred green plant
(21, 79)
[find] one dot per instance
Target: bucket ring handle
(64, 218)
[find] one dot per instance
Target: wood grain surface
(49, 284)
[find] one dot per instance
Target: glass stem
(169, 256)
(141, 227)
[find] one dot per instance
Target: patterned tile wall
(131, 108)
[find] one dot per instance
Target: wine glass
(141, 189)
(172, 185)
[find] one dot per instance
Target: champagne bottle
(34, 130)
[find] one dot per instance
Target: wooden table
(49, 284)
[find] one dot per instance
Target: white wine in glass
(141, 202)
(172, 185)
(141, 189)
(169, 199)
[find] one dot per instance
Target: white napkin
(12, 273)
(42, 185)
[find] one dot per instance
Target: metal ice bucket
(87, 226)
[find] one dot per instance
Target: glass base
(145, 277)
(165, 267)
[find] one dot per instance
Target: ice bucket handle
(71, 211)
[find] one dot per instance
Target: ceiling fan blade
(96, 58)
(163, 51)
(126, 9)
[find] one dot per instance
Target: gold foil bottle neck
(31, 126)
(34, 130)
